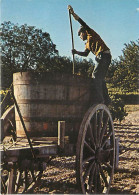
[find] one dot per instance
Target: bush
(117, 108)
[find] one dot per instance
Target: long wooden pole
(72, 39)
(23, 124)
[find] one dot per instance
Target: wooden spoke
(87, 171)
(100, 119)
(18, 180)
(103, 175)
(103, 130)
(95, 128)
(91, 135)
(33, 183)
(11, 181)
(99, 183)
(26, 179)
(33, 176)
(107, 165)
(95, 182)
(91, 178)
(109, 149)
(89, 147)
(3, 185)
(88, 159)
(106, 138)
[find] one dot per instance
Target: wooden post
(61, 134)
(116, 152)
(2, 129)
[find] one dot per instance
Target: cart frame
(96, 154)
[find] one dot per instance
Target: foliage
(24, 48)
(27, 48)
(84, 67)
(57, 64)
(111, 72)
(65, 65)
(117, 108)
(3, 93)
(125, 74)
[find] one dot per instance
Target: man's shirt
(94, 41)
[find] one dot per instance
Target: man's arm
(76, 17)
(81, 53)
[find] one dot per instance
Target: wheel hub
(98, 154)
(101, 155)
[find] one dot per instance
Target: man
(103, 57)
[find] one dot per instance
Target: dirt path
(126, 178)
(59, 177)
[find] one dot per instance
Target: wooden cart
(53, 115)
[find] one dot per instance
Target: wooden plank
(54, 139)
(61, 134)
(42, 150)
(40, 140)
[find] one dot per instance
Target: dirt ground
(59, 177)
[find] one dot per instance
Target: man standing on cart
(103, 57)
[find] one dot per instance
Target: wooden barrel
(45, 98)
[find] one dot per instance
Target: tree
(111, 72)
(126, 73)
(65, 65)
(60, 64)
(84, 67)
(24, 48)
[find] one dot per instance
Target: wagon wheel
(16, 181)
(95, 153)
(8, 125)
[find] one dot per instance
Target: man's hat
(82, 29)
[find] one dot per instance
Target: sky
(116, 21)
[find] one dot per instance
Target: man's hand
(72, 12)
(74, 51)
(70, 9)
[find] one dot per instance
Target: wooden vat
(45, 98)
